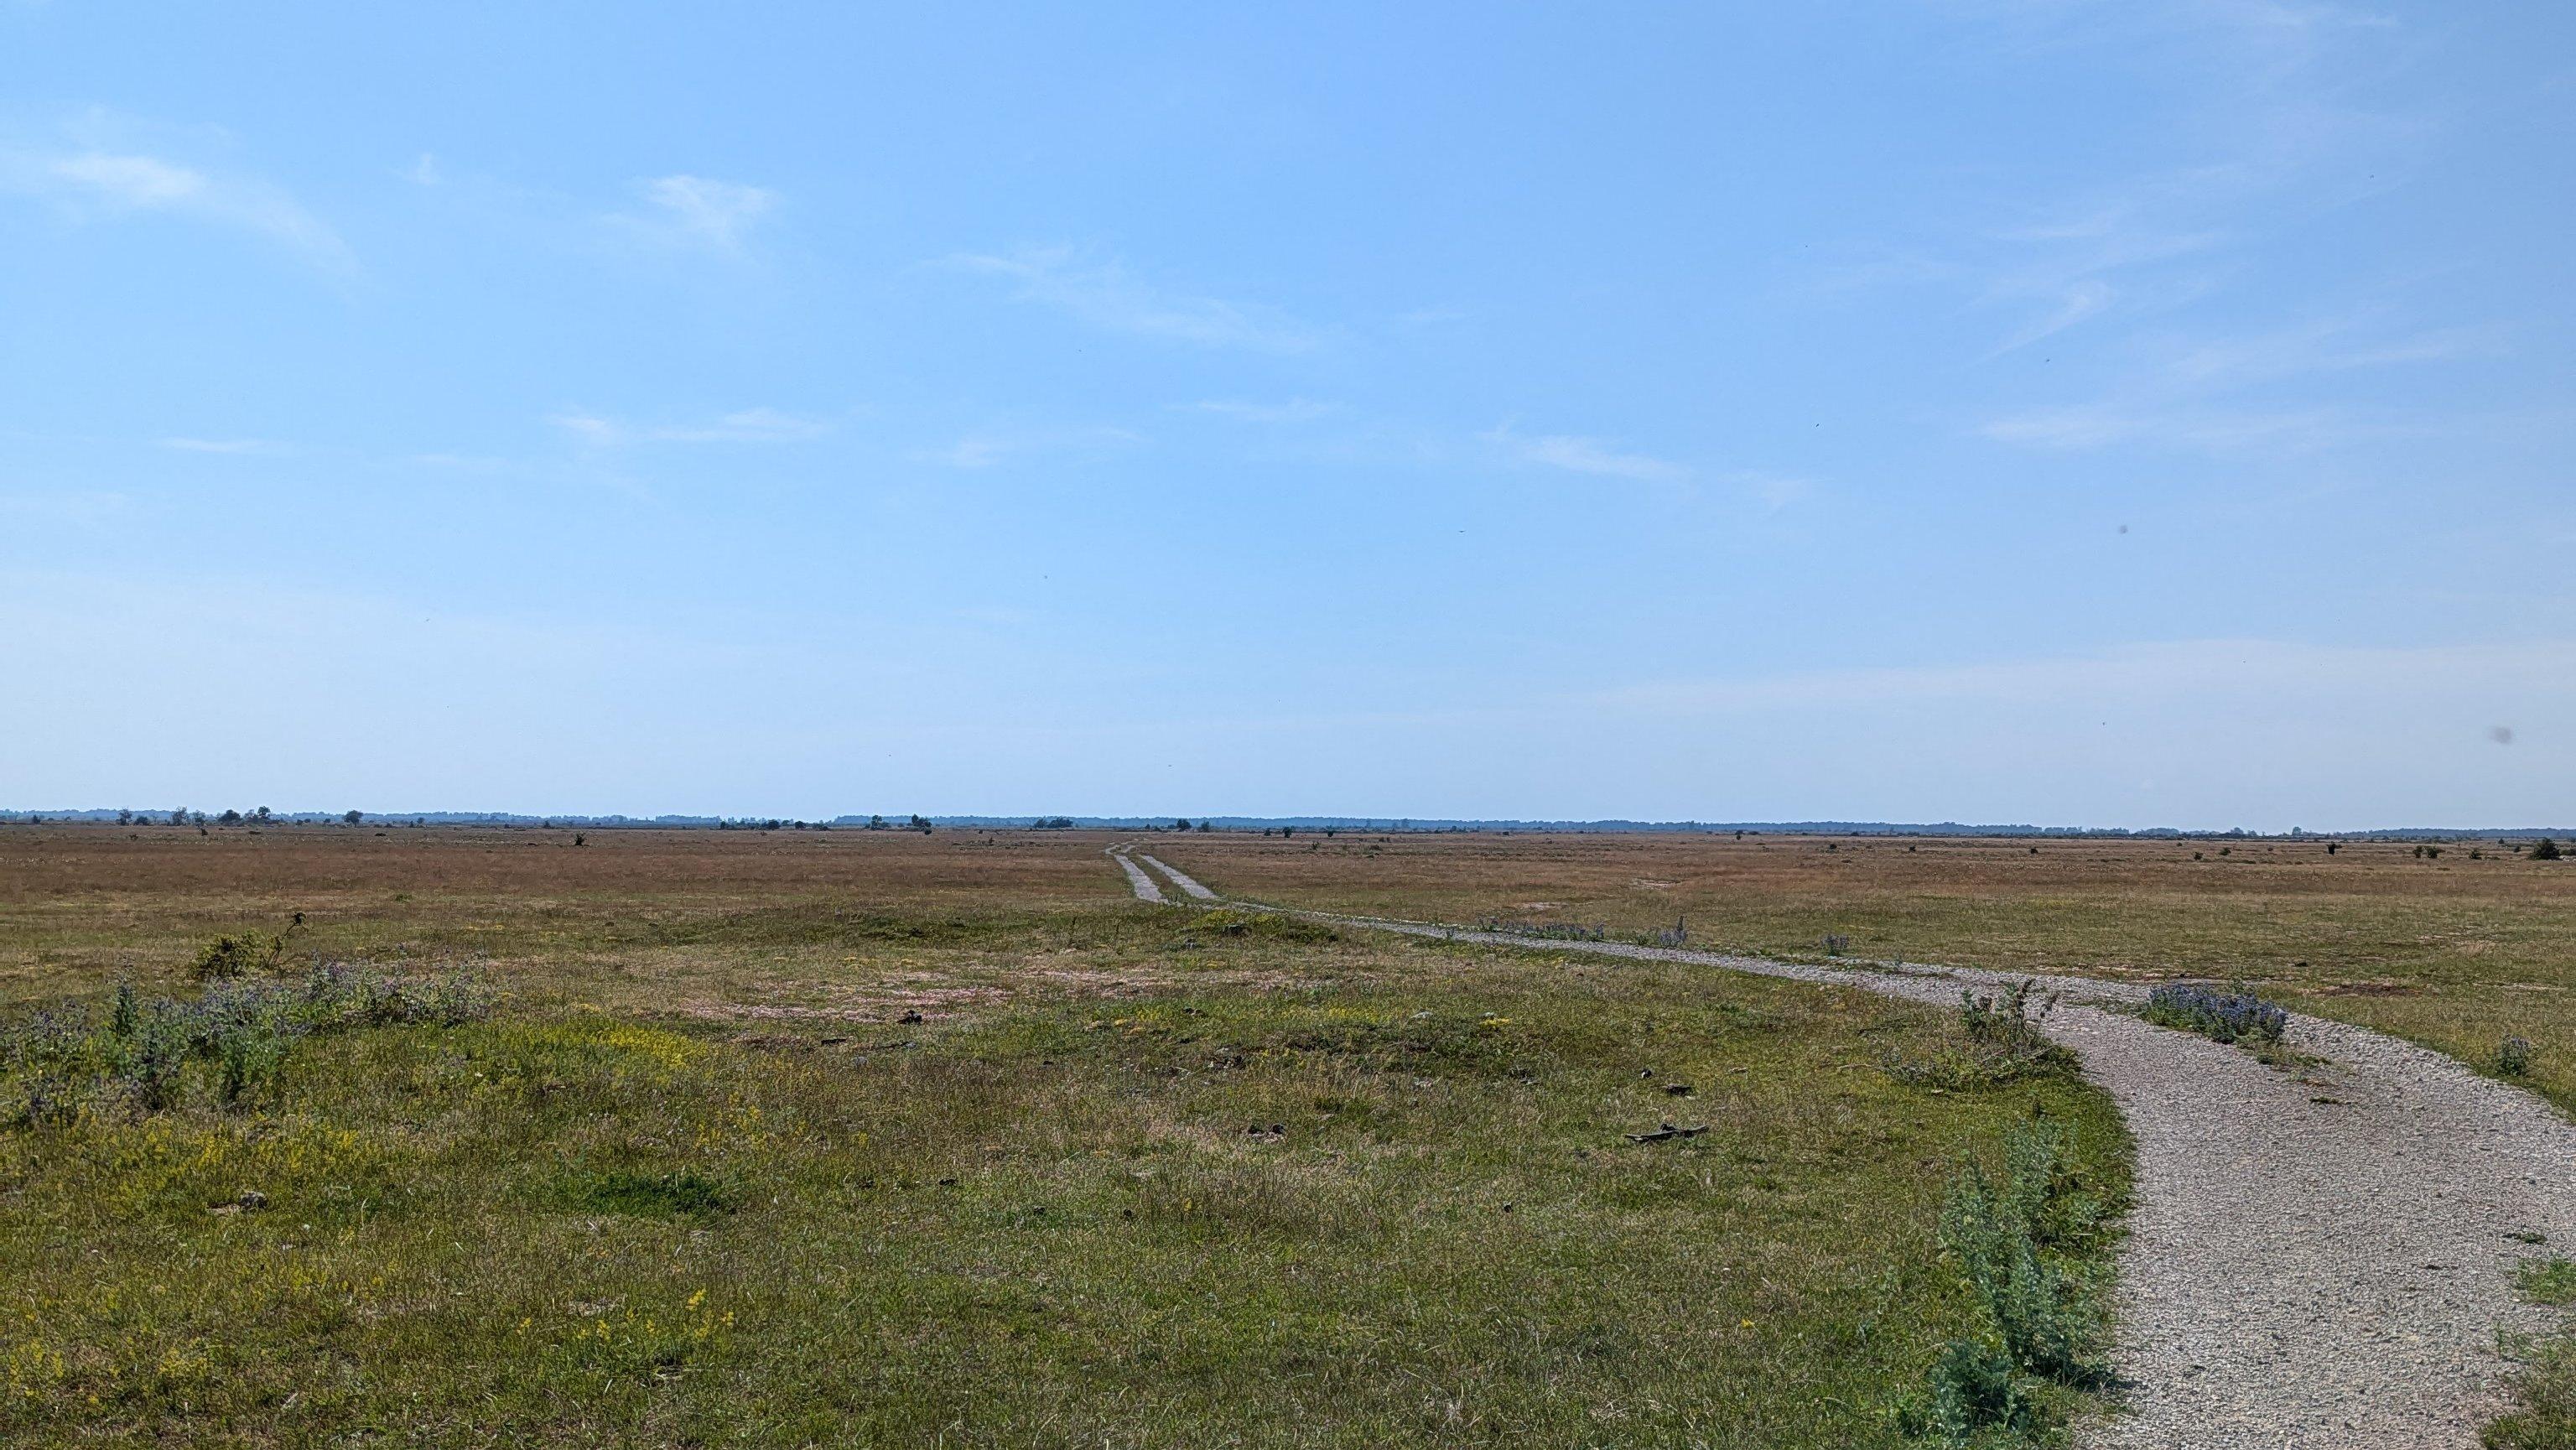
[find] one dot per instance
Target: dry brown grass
(2455, 952)
(83, 905)
(1135, 1175)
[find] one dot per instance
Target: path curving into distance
(2316, 1260)
(1188, 886)
(1146, 890)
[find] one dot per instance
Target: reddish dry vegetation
(82, 905)
(2457, 952)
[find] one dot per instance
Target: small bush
(2545, 849)
(1970, 1391)
(247, 1055)
(2010, 1233)
(140, 1057)
(252, 952)
(2513, 1057)
(2223, 1016)
(2003, 1043)
(1998, 1229)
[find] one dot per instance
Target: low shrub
(2015, 1235)
(2002, 1042)
(1972, 1391)
(250, 953)
(2513, 1057)
(141, 1056)
(2223, 1016)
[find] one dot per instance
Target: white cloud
(1104, 295)
(94, 184)
(749, 425)
(2180, 393)
(2152, 671)
(224, 445)
(1295, 410)
(1585, 455)
(1774, 491)
(966, 453)
(990, 448)
(698, 211)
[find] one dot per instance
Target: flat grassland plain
(859, 1138)
(2456, 951)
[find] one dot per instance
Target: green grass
(1137, 1180)
(2455, 954)
(2544, 1383)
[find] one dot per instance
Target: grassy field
(880, 1139)
(2456, 952)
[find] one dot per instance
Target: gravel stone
(2317, 1259)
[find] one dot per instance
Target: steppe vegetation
(2472, 957)
(901, 1139)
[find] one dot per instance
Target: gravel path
(1146, 890)
(2318, 1259)
(1182, 881)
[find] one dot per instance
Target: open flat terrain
(2454, 952)
(881, 1139)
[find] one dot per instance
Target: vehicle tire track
(2317, 1258)
(1182, 881)
(1146, 890)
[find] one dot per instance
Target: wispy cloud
(2160, 669)
(2218, 394)
(89, 184)
(2258, 103)
(1774, 491)
(1294, 410)
(1105, 295)
(750, 425)
(226, 445)
(1585, 455)
(2206, 430)
(697, 211)
(992, 448)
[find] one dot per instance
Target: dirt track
(2318, 1259)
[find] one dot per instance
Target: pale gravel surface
(1182, 881)
(1146, 890)
(2318, 1259)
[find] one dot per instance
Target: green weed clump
(249, 953)
(2545, 1385)
(2028, 1240)
(680, 1194)
(2548, 1281)
(2001, 1040)
(236, 1036)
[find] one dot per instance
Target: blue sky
(2001, 410)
